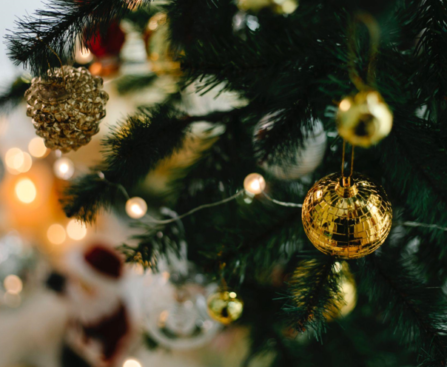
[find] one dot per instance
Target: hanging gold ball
(348, 218)
(159, 52)
(225, 307)
(66, 107)
(277, 6)
(364, 119)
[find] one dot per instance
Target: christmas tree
(325, 259)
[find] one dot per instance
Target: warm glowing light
(56, 234)
(131, 363)
(83, 56)
(64, 168)
(13, 284)
(37, 147)
(26, 190)
(289, 6)
(345, 105)
(254, 183)
(18, 161)
(136, 207)
(76, 230)
(233, 295)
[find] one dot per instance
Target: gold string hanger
(55, 53)
(374, 36)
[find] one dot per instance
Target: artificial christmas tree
(379, 70)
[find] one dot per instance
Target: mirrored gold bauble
(347, 221)
(225, 307)
(66, 107)
(364, 119)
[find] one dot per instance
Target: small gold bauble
(364, 119)
(66, 107)
(348, 218)
(225, 307)
(158, 49)
(277, 6)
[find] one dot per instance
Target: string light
(13, 284)
(76, 230)
(136, 207)
(254, 184)
(258, 187)
(56, 234)
(131, 363)
(37, 147)
(64, 168)
(26, 190)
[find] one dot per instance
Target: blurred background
(48, 280)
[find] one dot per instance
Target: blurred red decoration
(109, 43)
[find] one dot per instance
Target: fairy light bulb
(13, 284)
(37, 148)
(83, 56)
(64, 168)
(254, 183)
(131, 363)
(136, 207)
(25, 190)
(56, 234)
(76, 230)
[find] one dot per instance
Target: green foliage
(293, 67)
(58, 27)
(13, 95)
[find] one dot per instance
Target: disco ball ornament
(347, 217)
(364, 119)
(293, 163)
(66, 107)
(225, 307)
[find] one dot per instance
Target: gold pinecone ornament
(347, 217)
(364, 119)
(66, 107)
(225, 306)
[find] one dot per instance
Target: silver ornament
(66, 107)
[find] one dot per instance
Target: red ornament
(109, 44)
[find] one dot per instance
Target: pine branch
(413, 310)
(313, 289)
(59, 26)
(130, 152)
(12, 96)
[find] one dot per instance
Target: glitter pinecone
(66, 107)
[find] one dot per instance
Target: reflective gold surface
(225, 307)
(67, 107)
(347, 222)
(364, 119)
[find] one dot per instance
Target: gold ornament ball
(277, 6)
(66, 107)
(348, 219)
(364, 119)
(158, 48)
(225, 307)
